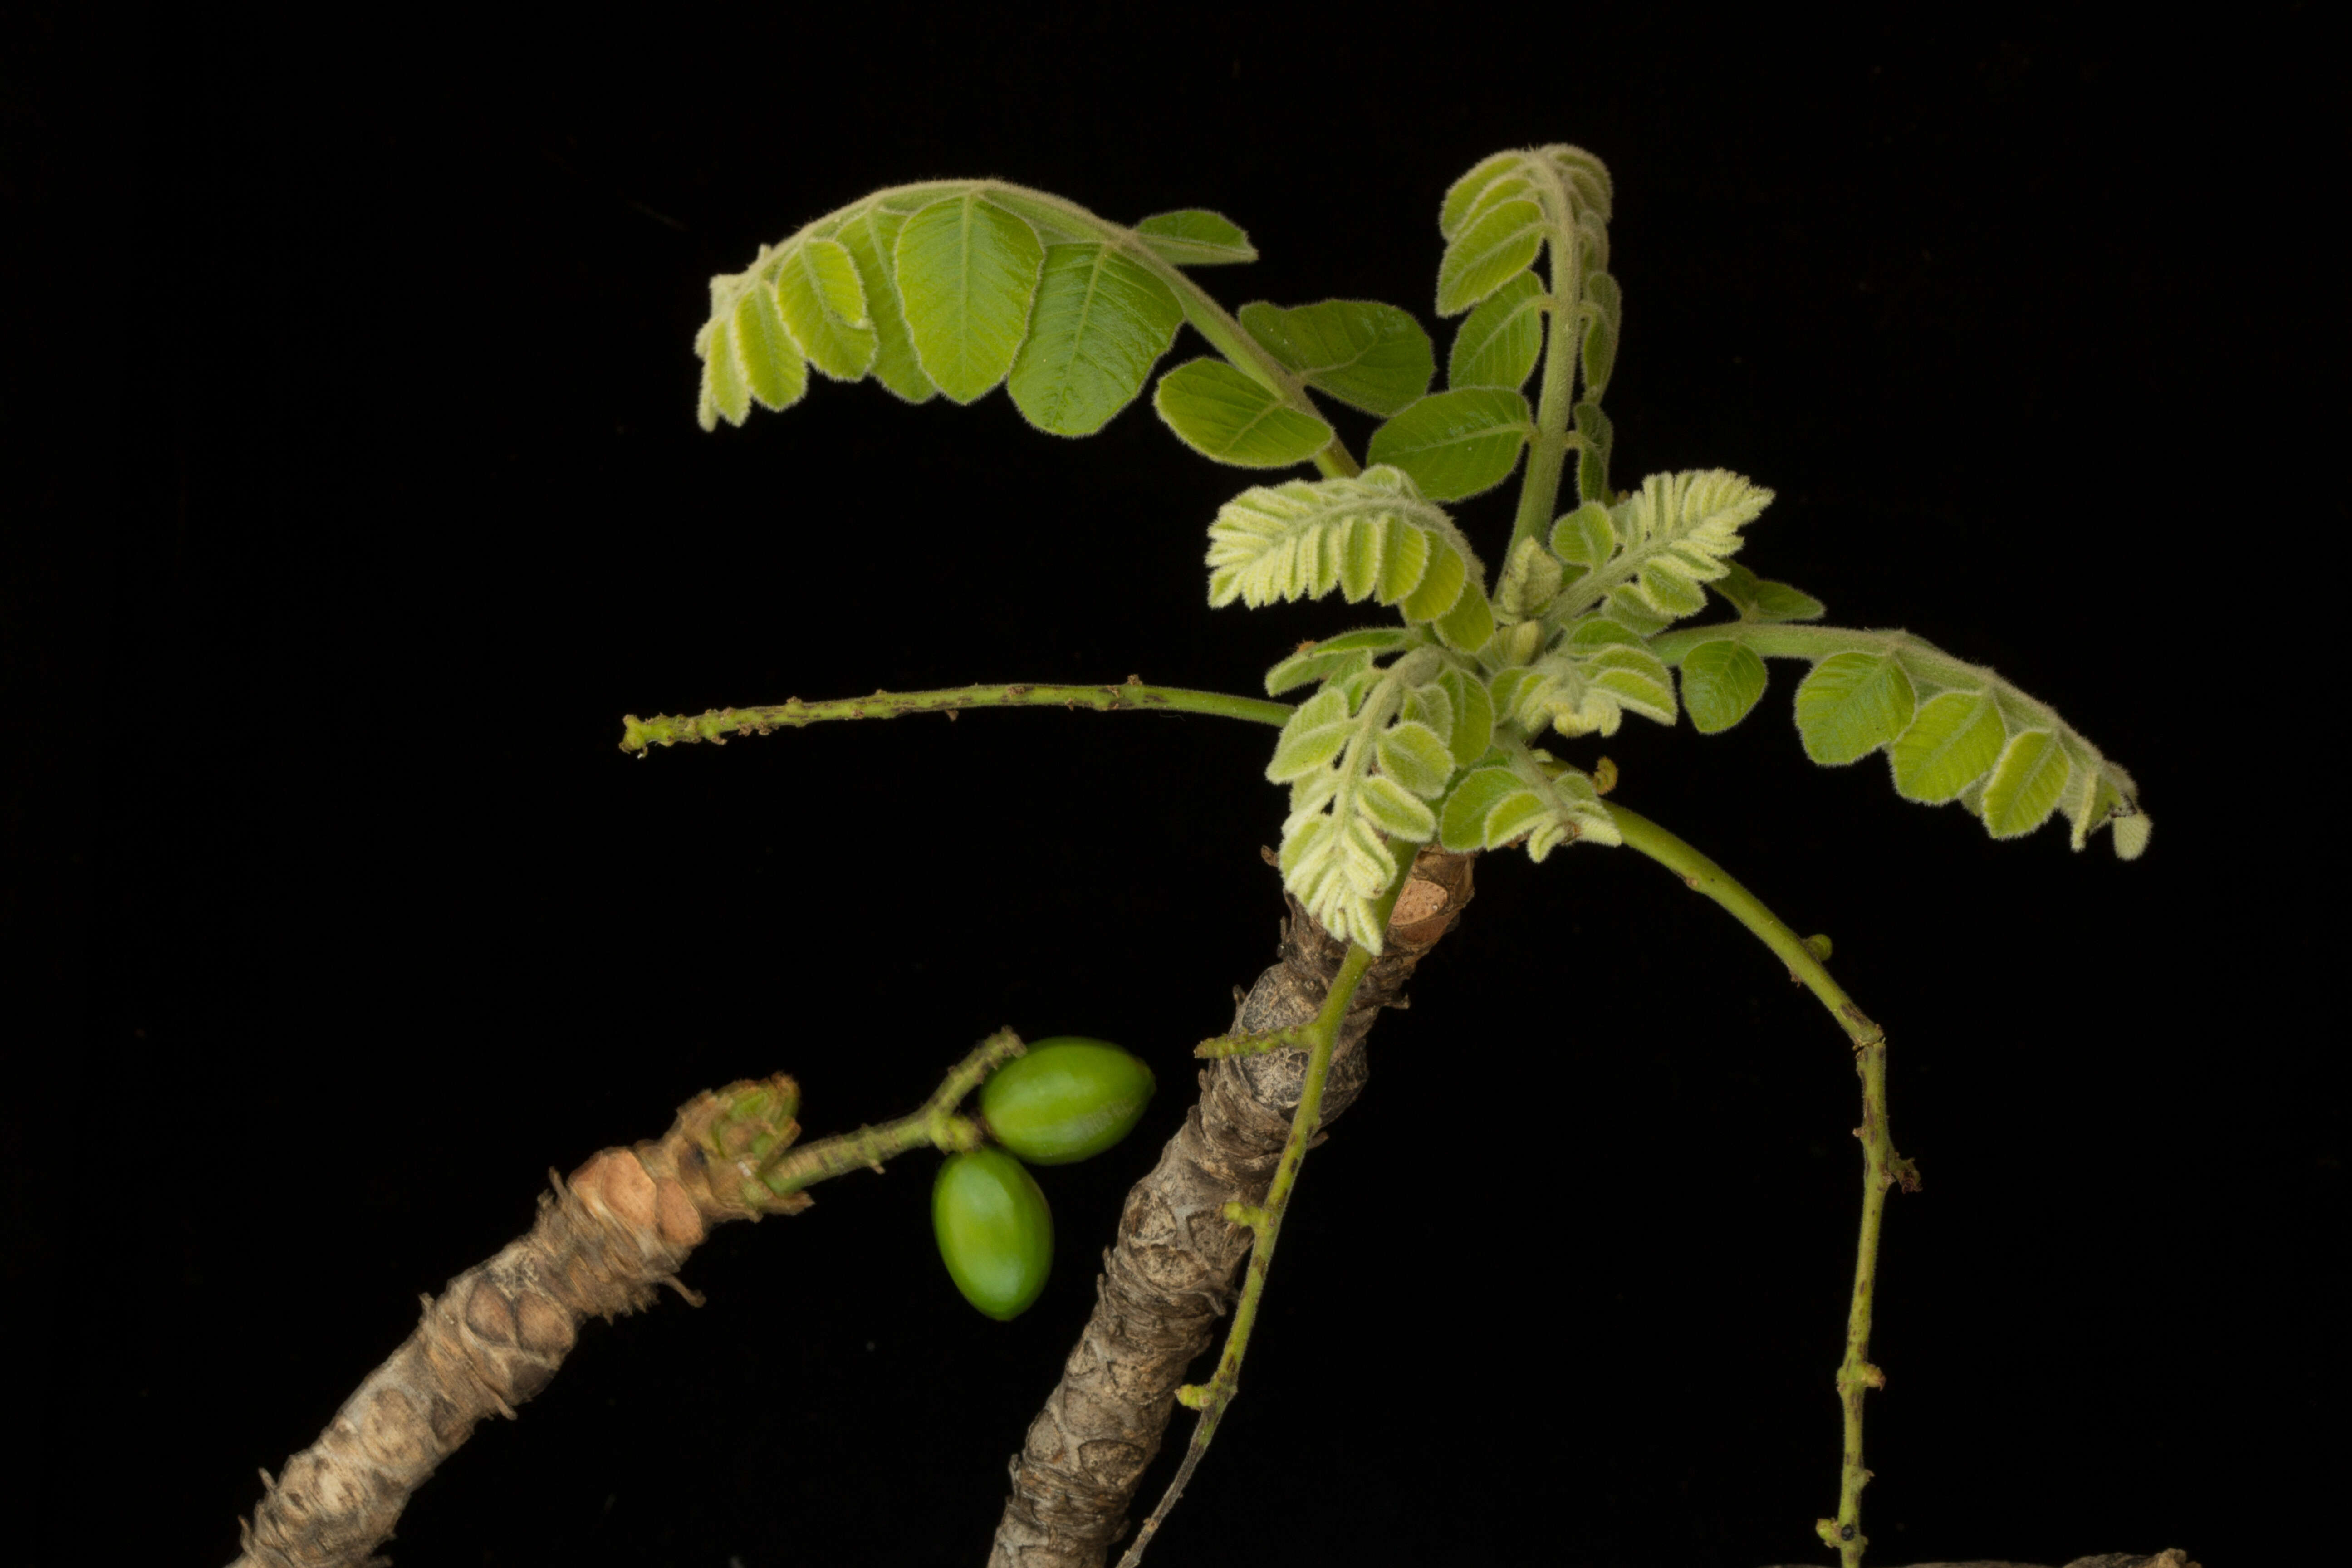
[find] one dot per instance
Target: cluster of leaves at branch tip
(1423, 730)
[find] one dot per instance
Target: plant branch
(623, 1223)
(716, 724)
(1882, 1167)
(1264, 1221)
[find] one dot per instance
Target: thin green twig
(1882, 1167)
(936, 1125)
(1213, 1398)
(716, 724)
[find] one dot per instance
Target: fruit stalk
(1171, 1272)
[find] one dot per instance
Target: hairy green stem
(935, 1126)
(1882, 1167)
(1212, 1399)
(717, 723)
(1563, 316)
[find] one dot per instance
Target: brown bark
(1170, 1275)
(624, 1222)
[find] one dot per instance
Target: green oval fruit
(1066, 1099)
(994, 1230)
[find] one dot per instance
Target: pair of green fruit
(1064, 1099)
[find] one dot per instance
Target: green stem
(1213, 1398)
(1547, 449)
(935, 1126)
(1882, 1167)
(715, 724)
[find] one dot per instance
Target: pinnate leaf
(1369, 355)
(1851, 704)
(967, 272)
(1221, 413)
(1457, 443)
(1374, 535)
(1100, 323)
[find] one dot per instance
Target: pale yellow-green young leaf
(824, 306)
(1416, 756)
(1954, 741)
(1314, 736)
(1585, 537)
(1395, 810)
(872, 243)
(1373, 533)
(724, 392)
(2025, 784)
(1721, 682)
(1469, 626)
(1532, 575)
(1440, 585)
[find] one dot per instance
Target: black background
(353, 493)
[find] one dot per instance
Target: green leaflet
(1851, 704)
(772, 367)
(1600, 297)
(1474, 715)
(1335, 658)
(1455, 444)
(1100, 323)
(872, 243)
(1531, 579)
(2025, 784)
(1465, 194)
(1463, 824)
(1757, 600)
(1499, 344)
(1369, 355)
(1221, 413)
(824, 306)
(1721, 682)
(1952, 743)
(1417, 757)
(1503, 238)
(1314, 734)
(1585, 537)
(1195, 238)
(1593, 429)
(967, 272)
